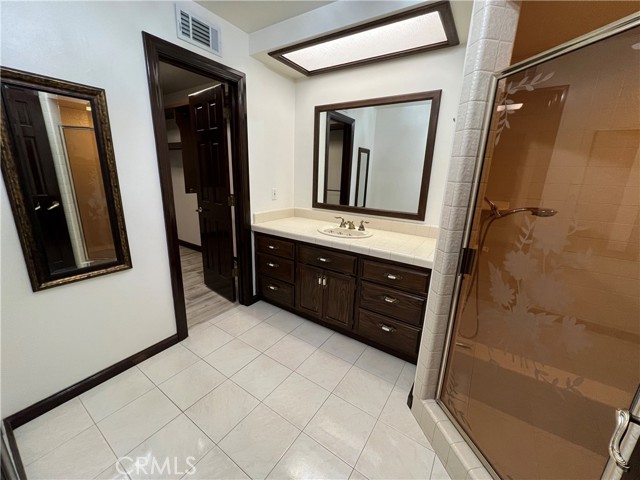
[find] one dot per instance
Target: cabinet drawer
(276, 291)
(338, 262)
(275, 267)
(402, 306)
(388, 332)
(275, 246)
(398, 277)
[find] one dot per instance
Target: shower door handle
(623, 457)
(623, 417)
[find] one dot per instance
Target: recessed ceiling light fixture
(427, 27)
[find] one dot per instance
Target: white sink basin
(344, 232)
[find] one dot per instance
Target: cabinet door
(309, 290)
(339, 294)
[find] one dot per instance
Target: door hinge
(231, 200)
(466, 262)
(235, 272)
(226, 113)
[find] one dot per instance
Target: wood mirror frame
(434, 97)
(21, 197)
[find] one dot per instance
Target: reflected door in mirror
(339, 151)
(25, 114)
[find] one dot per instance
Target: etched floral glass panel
(546, 341)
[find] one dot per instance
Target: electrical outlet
(274, 194)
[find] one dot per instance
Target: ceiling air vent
(197, 31)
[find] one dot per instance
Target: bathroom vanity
(376, 300)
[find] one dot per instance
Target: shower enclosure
(545, 341)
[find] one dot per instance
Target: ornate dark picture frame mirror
(60, 173)
(374, 156)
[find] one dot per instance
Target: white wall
(186, 204)
(54, 338)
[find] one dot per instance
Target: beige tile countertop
(400, 247)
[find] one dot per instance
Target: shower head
(535, 211)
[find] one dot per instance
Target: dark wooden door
(309, 290)
(26, 118)
(188, 149)
(214, 191)
(339, 294)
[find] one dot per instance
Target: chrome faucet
(361, 227)
(342, 222)
(351, 225)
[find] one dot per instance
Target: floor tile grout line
(112, 451)
(160, 428)
(153, 381)
(65, 442)
(433, 464)
(123, 406)
(239, 421)
(199, 398)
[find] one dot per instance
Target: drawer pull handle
(389, 299)
(272, 265)
(272, 247)
(386, 328)
(324, 260)
(391, 276)
(273, 287)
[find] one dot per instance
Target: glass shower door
(546, 337)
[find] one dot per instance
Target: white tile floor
(256, 392)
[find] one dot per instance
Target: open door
(214, 192)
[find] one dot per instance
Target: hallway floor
(201, 302)
(256, 392)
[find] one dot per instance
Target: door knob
(55, 204)
(199, 210)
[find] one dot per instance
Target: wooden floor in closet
(202, 303)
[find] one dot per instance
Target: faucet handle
(342, 222)
(361, 227)
(351, 225)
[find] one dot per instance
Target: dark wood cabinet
(309, 290)
(325, 295)
(379, 302)
(339, 298)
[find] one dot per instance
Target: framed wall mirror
(60, 173)
(374, 156)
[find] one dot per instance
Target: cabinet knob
(272, 265)
(386, 328)
(272, 247)
(392, 276)
(389, 299)
(272, 287)
(324, 259)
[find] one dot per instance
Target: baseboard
(43, 406)
(190, 245)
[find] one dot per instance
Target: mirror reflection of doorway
(339, 152)
(362, 178)
(204, 251)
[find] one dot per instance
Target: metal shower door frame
(595, 36)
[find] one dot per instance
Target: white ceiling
(174, 79)
(251, 16)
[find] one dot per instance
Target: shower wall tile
(490, 41)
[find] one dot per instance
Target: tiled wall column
(493, 27)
